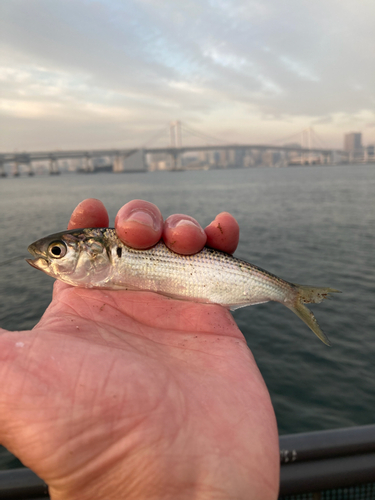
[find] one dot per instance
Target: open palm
(118, 394)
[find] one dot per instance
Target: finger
(89, 213)
(183, 234)
(139, 224)
(223, 233)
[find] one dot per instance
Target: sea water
(311, 225)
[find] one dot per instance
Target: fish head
(77, 257)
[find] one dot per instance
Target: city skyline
(178, 135)
(88, 74)
(179, 156)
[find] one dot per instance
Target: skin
(131, 395)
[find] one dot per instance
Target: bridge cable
(319, 139)
(201, 135)
(154, 137)
(287, 138)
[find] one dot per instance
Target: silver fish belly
(97, 258)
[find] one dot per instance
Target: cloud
(138, 64)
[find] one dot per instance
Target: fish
(97, 258)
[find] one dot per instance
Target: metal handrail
(315, 461)
(22, 484)
(312, 461)
(325, 444)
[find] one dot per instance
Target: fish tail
(310, 295)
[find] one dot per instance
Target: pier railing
(336, 464)
(323, 465)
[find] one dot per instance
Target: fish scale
(97, 258)
(209, 276)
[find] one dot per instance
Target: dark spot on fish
(220, 228)
(119, 252)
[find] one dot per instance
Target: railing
(338, 464)
(325, 461)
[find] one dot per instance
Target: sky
(108, 73)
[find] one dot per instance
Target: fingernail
(185, 223)
(143, 218)
(174, 221)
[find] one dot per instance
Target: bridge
(213, 154)
(53, 157)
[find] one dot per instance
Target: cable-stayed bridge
(171, 148)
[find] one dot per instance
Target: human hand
(120, 394)
(140, 225)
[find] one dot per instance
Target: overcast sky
(84, 73)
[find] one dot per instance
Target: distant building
(353, 142)
(293, 157)
(271, 158)
(223, 157)
(157, 161)
(239, 155)
(370, 152)
(134, 162)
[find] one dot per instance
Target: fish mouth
(37, 263)
(40, 262)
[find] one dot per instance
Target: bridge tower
(176, 143)
(307, 138)
(306, 143)
(175, 134)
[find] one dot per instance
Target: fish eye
(57, 250)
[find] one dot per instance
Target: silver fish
(97, 258)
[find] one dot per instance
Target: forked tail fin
(310, 295)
